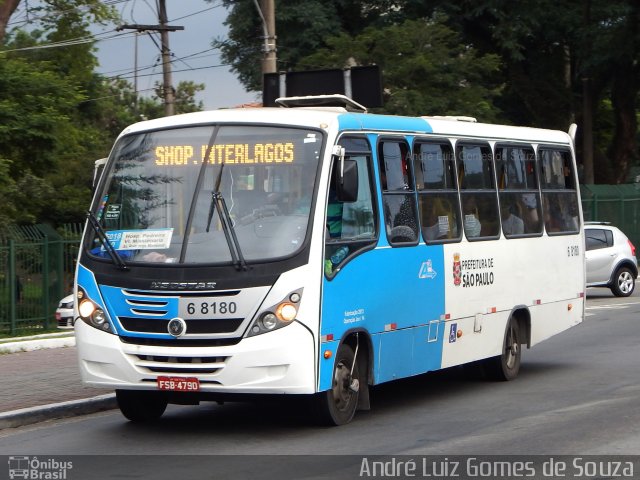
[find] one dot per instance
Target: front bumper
(278, 362)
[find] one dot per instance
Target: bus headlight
(86, 308)
(277, 316)
(286, 312)
(91, 314)
(268, 321)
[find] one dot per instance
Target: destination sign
(229, 153)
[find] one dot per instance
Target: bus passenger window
(438, 203)
(398, 194)
(520, 207)
(559, 192)
(477, 191)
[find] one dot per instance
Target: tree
(7, 8)
(185, 98)
(567, 61)
(427, 70)
(59, 116)
(562, 61)
(48, 12)
(47, 134)
(302, 27)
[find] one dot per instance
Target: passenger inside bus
(438, 220)
(511, 224)
(472, 225)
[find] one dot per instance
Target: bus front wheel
(141, 405)
(337, 405)
(506, 366)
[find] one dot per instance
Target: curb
(72, 408)
(37, 344)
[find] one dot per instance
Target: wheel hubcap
(512, 348)
(341, 382)
(625, 282)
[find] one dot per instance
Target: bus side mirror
(347, 188)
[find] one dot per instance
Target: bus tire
(337, 405)
(623, 282)
(506, 366)
(141, 405)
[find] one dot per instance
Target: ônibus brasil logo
(34, 468)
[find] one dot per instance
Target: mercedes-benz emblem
(177, 327)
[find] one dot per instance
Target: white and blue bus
(320, 250)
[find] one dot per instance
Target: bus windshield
(205, 194)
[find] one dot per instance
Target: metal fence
(617, 204)
(37, 265)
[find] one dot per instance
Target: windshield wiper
(106, 243)
(218, 202)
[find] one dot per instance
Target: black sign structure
(362, 84)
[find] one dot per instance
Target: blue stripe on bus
(87, 282)
(395, 288)
(114, 303)
(359, 121)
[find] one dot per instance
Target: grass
(27, 332)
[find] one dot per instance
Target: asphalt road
(577, 394)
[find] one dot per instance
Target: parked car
(64, 312)
(611, 259)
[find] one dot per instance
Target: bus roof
(341, 119)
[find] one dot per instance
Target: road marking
(612, 306)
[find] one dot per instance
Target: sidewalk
(40, 381)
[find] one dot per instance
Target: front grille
(66, 322)
(205, 326)
(180, 365)
(181, 342)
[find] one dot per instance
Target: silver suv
(611, 259)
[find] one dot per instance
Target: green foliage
(516, 62)
(427, 70)
(58, 116)
(36, 106)
(7, 194)
(302, 27)
(185, 101)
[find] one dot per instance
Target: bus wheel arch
(506, 366)
(350, 377)
(361, 340)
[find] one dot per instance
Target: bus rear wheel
(338, 405)
(506, 366)
(141, 405)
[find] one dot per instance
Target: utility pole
(267, 12)
(164, 29)
(169, 95)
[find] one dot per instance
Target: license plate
(178, 384)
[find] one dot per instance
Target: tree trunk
(624, 145)
(7, 7)
(624, 95)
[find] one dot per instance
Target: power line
(196, 13)
(71, 42)
(127, 71)
(126, 76)
(35, 18)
